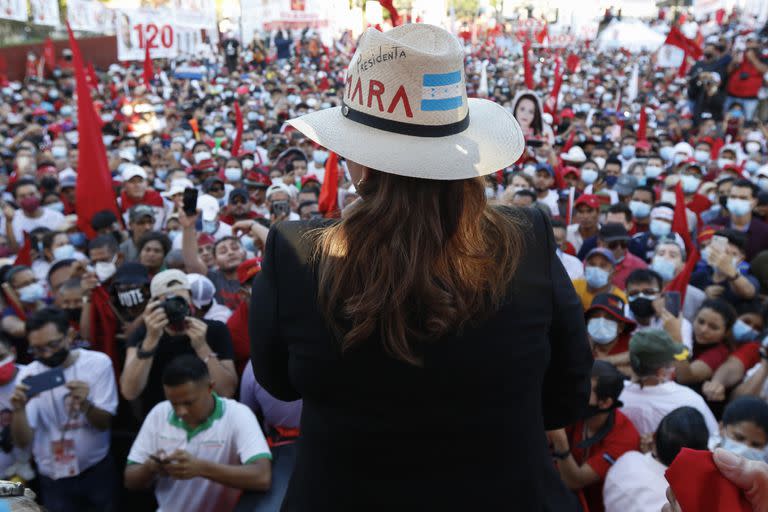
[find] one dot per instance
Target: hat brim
(628, 324)
(492, 141)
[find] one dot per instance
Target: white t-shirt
(231, 435)
(635, 483)
(573, 265)
(646, 407)
(6, 415)
(551, 202)
(50, 219)
(218, 312)
(48, 415)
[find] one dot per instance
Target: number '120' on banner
(139, 28)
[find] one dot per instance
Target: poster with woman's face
(13, 10)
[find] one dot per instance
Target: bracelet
(209, 356)
(145, 354)
(562, 455)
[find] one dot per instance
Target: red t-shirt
(745, 81)
(622, 438)
(714, 356)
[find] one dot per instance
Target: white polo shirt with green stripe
(230, 435)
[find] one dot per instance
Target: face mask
(74, 314)
(739, 207)
(659, 228)
(597, 138)
(7, 369)
(202, 156)
(55, 359)
(666, 152)
(541, 159)
(627, 151)
(743, 332)
(32, 293)
(128, 153)
(57, 207)
(736, 114)
(763, 184)
(252, 116)
(77, 239)
(66, 111)
(641, 181)
(600, 161)
(105, 269)
(64, 252)
(233, 174)
(319, 156)
(248, 244)
(490, 193)
(602, 330)
(722, 162)
(529, 170)
(30, 204)
(596, 277)
(743, 450)
(642, 305)
(664, 267)
(249, 145)
(669, 196)
(59, 152)
(639, 209)
(752, 147)
(678, 158)
(690, 183)
(651, 171)
(751, 166)
(162, 174)
(701, 156)
(611, 181)
(210, 226)
(589, 176)
(177, 155)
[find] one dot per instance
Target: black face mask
(642, 307)
(55, 359)
(74, 314)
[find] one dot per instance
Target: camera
(176, 309)
(281, 208)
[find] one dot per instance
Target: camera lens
(176, 309)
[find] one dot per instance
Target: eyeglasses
(48, 347)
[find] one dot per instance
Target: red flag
(551, 104)
(93, 189)
(527, 65)
(49, 54)
(239, 135)
(542, 34)
(24, 257)
(328, 203)
(390, 7)
(682, 71)
(720, 16)
(572, 63)
(642, 129)
(680, 283)
(92, 78)
(680, 219)
(569, 142)
(149, 70)
(677, 38)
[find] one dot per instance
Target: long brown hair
(413, 261)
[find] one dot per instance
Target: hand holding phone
(672, 303)
(44, 381)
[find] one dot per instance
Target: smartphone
(672, 303)
(534, 143)
(44, 381)
(190, 201)
(281, 208)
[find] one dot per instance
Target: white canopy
(633, 35)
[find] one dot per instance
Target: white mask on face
(600, 161)
(743, 450)
(105, 269)
(202, 156)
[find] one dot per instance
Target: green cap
(655, 346)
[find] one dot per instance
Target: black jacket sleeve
(567, 382)
(269, 353)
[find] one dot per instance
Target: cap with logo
(614, 306)
(602, 251)
(655, 346)
(590, 200)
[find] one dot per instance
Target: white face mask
(743, 450)
(233, 174)
(600, 161)
(105, 269)
(202, 157)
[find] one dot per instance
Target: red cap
(706, 233)
(590, 200)
(568, 169)
(247, 269)
(567, 113)
(257, 177)
(205, 239)
(643, 144)
(309, 177)
(698, 484)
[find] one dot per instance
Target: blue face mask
(652, 171)
(64, 252)
(664, 267)
(589, 176)
(739, 207)
(690, 184)
(77, 239)
(32, 293)
(641, 181)
(667, 152)
(596, 277)
(751, 166)
(210, 226)
(173, 234)
(628, 151)
(602, 330)
(249, 145)
(162, 174)
(743, 332)
(659, 228)
(611, 181)
(639, 209)
(736, 114)
(57, 206)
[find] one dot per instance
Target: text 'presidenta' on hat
(405, 110)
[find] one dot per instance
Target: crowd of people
(146, 320)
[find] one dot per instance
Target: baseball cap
(256, 178)
(201, 289)
(247, 269)
(602, 251)
(663, 212)
(103, 219)
(178, 186)
(209, 182)
(133, 170)
(209, 206)
(278, 187)
(545, 167)
(131, 273)
(67, 181)
(571, 170)
(238, 192)
(613, 232)
(655, 346)
(613, 305)
(625, 185)
(590, 200)
(168, 281)
(309, 178)
(140, 211)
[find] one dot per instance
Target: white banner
(45, 12)
(90, 15)
(137, 28)
(13, 10)
(703, 8)
(669, 56)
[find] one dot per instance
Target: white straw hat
(405, 110)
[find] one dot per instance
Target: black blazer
(465, 432)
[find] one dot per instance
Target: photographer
(745, 77)
(281, 203)
(169, 331)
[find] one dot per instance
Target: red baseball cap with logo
(590, 200)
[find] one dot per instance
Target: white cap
(133, 170)
(201, 289)
(178, 186)
(209, 206)
(575, 154)
(683, 147)
(663, 213)
(278, 187)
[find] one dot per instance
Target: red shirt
(241, 342)
(228, 219)
(625, 267)
(698, 204)
(745, 81)
(623, 437)
(714, 357)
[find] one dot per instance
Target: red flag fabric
(149, 70)
(720, 16)
(24, 257)
(569, 142)
(389, 5)
(551, 104)
(92, 78)
(572, 63)
(680, 219)
(328, 203)
(93, 188)
(239, 134)
(642, 129)
(542, 34)
(680, 283)
(527, 65)
(49, 53)
(676, 38)
(682, 71)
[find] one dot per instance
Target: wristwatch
(145, 354)
(562, 455)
